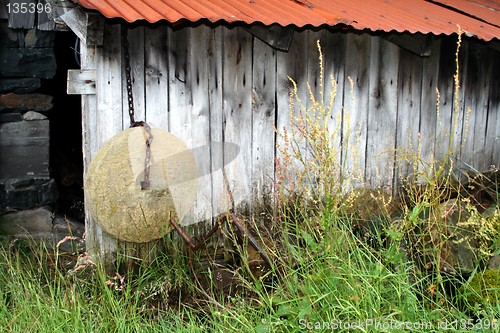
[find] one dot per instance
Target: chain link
(131, 112)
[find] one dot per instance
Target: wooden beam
(418, 44)
(81, 82)
(88, 27)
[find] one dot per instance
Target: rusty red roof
(480, 18)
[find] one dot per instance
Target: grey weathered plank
(382, 110)
(334, 48)
(263, 113)
(81, 82)
(492, 140)
(355, 107)
(428, 111)
(199, 123)
(136, 53)
(408, 117)
(444, 140)
(220, 198)
(108, 122)
(476, 82)
(290, 65)
(237, 113)
(156, 76)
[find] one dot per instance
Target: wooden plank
(408, 116)
(220, 197)
(292, 64)
(156, 62)
(237, 121)
(108, 122)
(334, 50)
(492, 140)
(263, 113)
(355, 108)
(136, 52)
(382, 111)
(189, 111)
(428, 112)
(458, 125)
(81, 82)
(109, 85)
(445, 86)
(75, 18)
(199, 124)
(476, 85)
(89, 144)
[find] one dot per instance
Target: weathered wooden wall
(219, 84)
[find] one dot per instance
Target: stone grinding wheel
(113, 185)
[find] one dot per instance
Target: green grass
(323, 278)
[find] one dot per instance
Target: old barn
(215, 71)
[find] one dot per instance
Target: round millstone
(113, 185)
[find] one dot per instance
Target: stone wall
(27, 191)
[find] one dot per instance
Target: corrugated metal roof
(480, 18)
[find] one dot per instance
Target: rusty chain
(131, 112)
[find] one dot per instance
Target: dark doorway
(66, 131)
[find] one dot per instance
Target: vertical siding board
(408, 116)
(382, 110)
(199, 124)
(492, 143)
(220, 199)
(264, 112)
(355, 108)
(334, 48)
(460, 117)
(89, 135)
(156, 76)
(477, 82)
(428, 112)
(189, 112)
(137, 54)
(109, 113)
(237, 121)
(291, 64)
(445, 86)
(109, 85)
(180, 96)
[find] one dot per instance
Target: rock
(24, 150)
(20, 85)
(39, 225)
(458, 246)
(494, 262)
(34, 222)
(10, 117)
(28, 193)
(38, 38)
(32, 115)
(26, 102)
(8, 37)
(64, 225)
(28, 62)
(484, 288)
